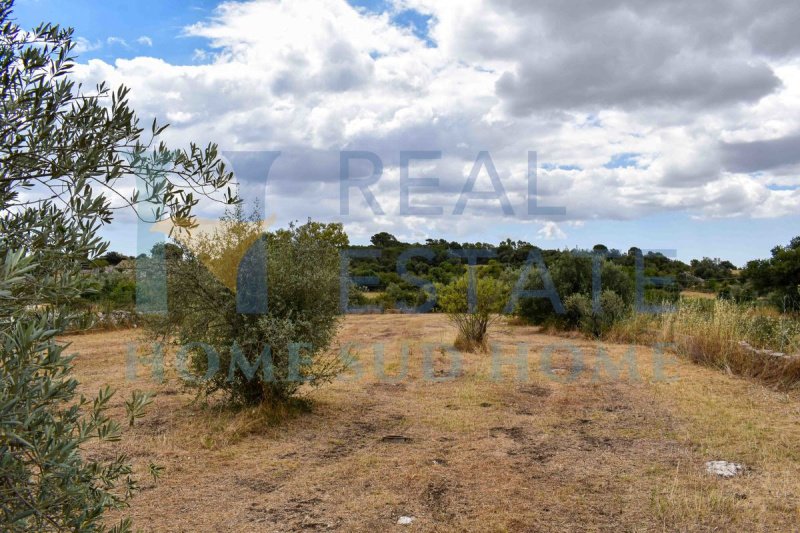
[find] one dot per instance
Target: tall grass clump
(741, 339)
(736, 338)
(636, 328)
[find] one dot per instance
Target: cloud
(631, 53)
(634, 108)
(199, 55)
(774, 31)
(117, 41)
(762, 155)
(144, 40)
(550, 231)
(83, 45)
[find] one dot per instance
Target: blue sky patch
(417, 22)
(117, 29)
(623, 160)
(553, 166)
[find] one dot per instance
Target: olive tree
(255, 357)
(65, 152)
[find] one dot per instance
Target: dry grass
(558, 451)
(714, 337)
(724, 335)
(698, 294)
(373, 295)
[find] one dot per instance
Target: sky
(663, 125)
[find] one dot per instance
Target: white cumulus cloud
(633, 107)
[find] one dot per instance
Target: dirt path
(567, 447)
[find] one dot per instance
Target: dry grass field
(565, 449)
(698, 294)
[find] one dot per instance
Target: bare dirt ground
(564, 449)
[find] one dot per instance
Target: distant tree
(571, 274)
(778, 277)
(505, 251)
(384, 240)
(114, 258)
(711, 269)
(167, 250)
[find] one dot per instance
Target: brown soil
(565, 449)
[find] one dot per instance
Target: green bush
(357, 297)
(400, 296)
(113, 291)
(262, 358)
(571, 274)
(613, 310)
(577, 307)
(473, 322)
(580, 313)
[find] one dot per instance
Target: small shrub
(613, 310)
(400, 297)
(576, 308)
(473, 322)
(580, 313)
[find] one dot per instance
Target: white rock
(405, 520)
(724, 468)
